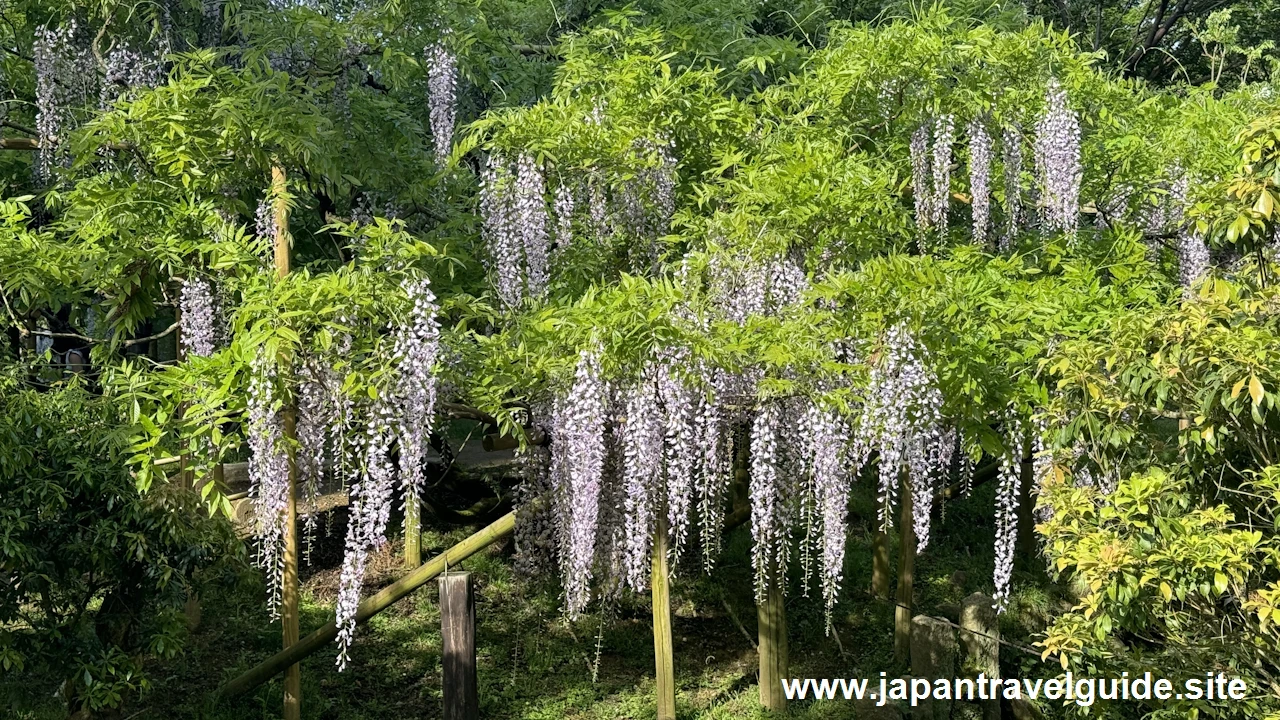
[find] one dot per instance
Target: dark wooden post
(771, 616)
(906, 572)
(458, 646)
(663, 654)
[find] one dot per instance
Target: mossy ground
(533, 665)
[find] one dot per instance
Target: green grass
(533, 665)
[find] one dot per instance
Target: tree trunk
(906, 572)
(771, 616)
(880, 565)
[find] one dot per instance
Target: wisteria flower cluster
(902, 419)
(417, 351)
(269, 486)
(442, 86)
(198, 318)
(1193, 254)
(1008, 495)
(931, 173)
(370, 510)
(66, 75)
(980, 180)
(126, 69)
(515, 227)
(577, 469)
(1011, 148)
(1057, 153)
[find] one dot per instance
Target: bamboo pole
(385, 598)
(412, 531)
(906, 572)
(289, 610)
(771, 617)
(664, 661)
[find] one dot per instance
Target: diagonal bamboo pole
(388, 596)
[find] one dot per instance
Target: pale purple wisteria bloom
(1011, 146)
(921, 190)
(642, 444)
(1057, 151)
(1007, 497)
(679, 409)
(902, 420)
(769, 526)
(980, 180)
(198, 330)
(269, 485)
(417, 350)
(65, 78)
(370, 510)
(578, 464)
(531, 220)
(1193, 254)
(944, 131)
(833, 466)
(442, 87)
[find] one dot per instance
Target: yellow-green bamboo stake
(664, 660)
(289, 611)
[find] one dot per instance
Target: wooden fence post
(289, 610)
(906, 571)
(771, 617)
(663, 656)
(458, 646)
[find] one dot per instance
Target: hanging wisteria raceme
(1057, 152)
(980, 180)
(315, 418)
(501, 233)
(1007, 494)
(198, 327)
(531, 219)
(417, 350)
(921, 191)
(65, 78)
(535, 531)
(769, 524)
(563, 206)
(264, 219)
(714, 469)
(268, 474)
(126, 69)
(679, 408)
(928, 454)
(370, 509)
(1193, 254)
(1011, 146)
(442, 84)
(578, 464)
(901, 419)
(515, 227)
(944, 132)
(832, 475)
(642, 445)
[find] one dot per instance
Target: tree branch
(96, 341)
